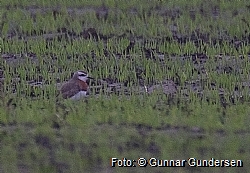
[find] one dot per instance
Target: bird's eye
(82, 74)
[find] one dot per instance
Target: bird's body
(77, 87)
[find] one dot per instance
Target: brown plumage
(76, 87)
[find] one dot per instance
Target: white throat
(83, 78)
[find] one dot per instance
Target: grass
(46, 41)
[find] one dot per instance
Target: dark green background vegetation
(129, 47)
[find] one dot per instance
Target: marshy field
(171, 82)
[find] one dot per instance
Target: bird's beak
(90, 77)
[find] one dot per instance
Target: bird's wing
(69, 89)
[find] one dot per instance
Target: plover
(77, 87)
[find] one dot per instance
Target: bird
(76, 88)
